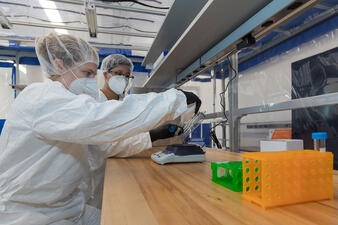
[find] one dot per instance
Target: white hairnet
(72, 51)
(114, 60)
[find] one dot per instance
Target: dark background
(316, 75)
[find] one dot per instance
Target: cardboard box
(280, 134)
(282, 145)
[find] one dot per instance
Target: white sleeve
(128, 147)
(63, 116)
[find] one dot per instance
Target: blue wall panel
(2, 123)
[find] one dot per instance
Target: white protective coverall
(99, 153)
(44, 169)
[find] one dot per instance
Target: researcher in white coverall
(44, 168)
(117, 70)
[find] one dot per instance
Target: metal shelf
(314, 101)
(215, 32)
(179, 17)
(237, 114)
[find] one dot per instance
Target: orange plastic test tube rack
(281, 178)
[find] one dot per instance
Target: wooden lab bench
(138, 191)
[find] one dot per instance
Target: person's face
(88, 70)
(121, 70)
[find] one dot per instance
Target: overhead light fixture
(91, 18)
(4, 22)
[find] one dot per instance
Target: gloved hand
(165, 131)
(192, 98)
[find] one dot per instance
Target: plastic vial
(319, 141)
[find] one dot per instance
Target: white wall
(6, 92)
(30, 74)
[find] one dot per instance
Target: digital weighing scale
(179, 153)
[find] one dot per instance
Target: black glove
(165, 131)
(192, 98)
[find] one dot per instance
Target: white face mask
(86, 86)
(118, 84)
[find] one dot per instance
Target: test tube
(319, 141)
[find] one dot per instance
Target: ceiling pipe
(84, 29)
(117, 7)
(98, 45)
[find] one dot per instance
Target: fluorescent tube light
(91, 18)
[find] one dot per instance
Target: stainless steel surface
(233, 104)
(319, 100)
(84, 29)
(215, 115)
(279, 13)
(179, 17)
(115, 6)
(142, 90)
(215, 21)
(213, 75)
(185, 61)
(316, 20)
(224, 108)
(235, 115)
(268, 125)
(17, 69)
(285, 16)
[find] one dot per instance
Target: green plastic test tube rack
(228, 174)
